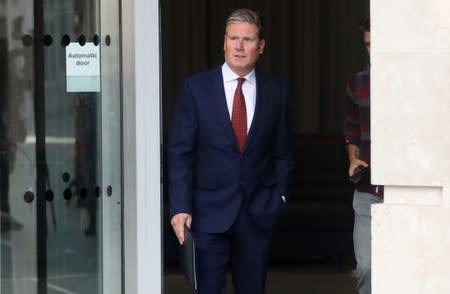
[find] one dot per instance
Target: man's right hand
(178, 221)
(354, 163)
(353, 156)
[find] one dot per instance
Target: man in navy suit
(229, 163)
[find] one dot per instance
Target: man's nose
(240, 45)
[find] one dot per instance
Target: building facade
(81, 137)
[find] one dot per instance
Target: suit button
(242, 183)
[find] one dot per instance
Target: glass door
(60, 147)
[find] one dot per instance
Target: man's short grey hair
(246, 15)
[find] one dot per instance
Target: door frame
(142, 233)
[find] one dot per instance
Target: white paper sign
(82, 68)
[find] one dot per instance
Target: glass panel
(60, 147)
(17, 149)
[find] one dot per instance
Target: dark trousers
(244, 246)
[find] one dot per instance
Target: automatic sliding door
(60, 147)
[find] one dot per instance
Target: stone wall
(410, 145)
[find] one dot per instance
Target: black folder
(188, 258)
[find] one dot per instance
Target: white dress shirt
(248, 88)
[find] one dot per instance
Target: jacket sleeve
(284, 162)
(182, 134)
(352, 131)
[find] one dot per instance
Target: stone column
(410, 117)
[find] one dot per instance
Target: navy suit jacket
(208, 176)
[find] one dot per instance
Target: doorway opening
(315, 46)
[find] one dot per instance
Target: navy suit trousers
(244, 246)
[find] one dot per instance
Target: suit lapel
(260, 84)
(218, 93)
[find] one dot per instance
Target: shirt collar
(229, 75)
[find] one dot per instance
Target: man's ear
(262, 44)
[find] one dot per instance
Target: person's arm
(283, 148)
(181, 150)
(352, 131)
(353, 157)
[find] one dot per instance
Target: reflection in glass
(52, 150)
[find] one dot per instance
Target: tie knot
(240, 81)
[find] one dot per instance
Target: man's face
(242, 47)
(367, 41)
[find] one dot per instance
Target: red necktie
(239, 115)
